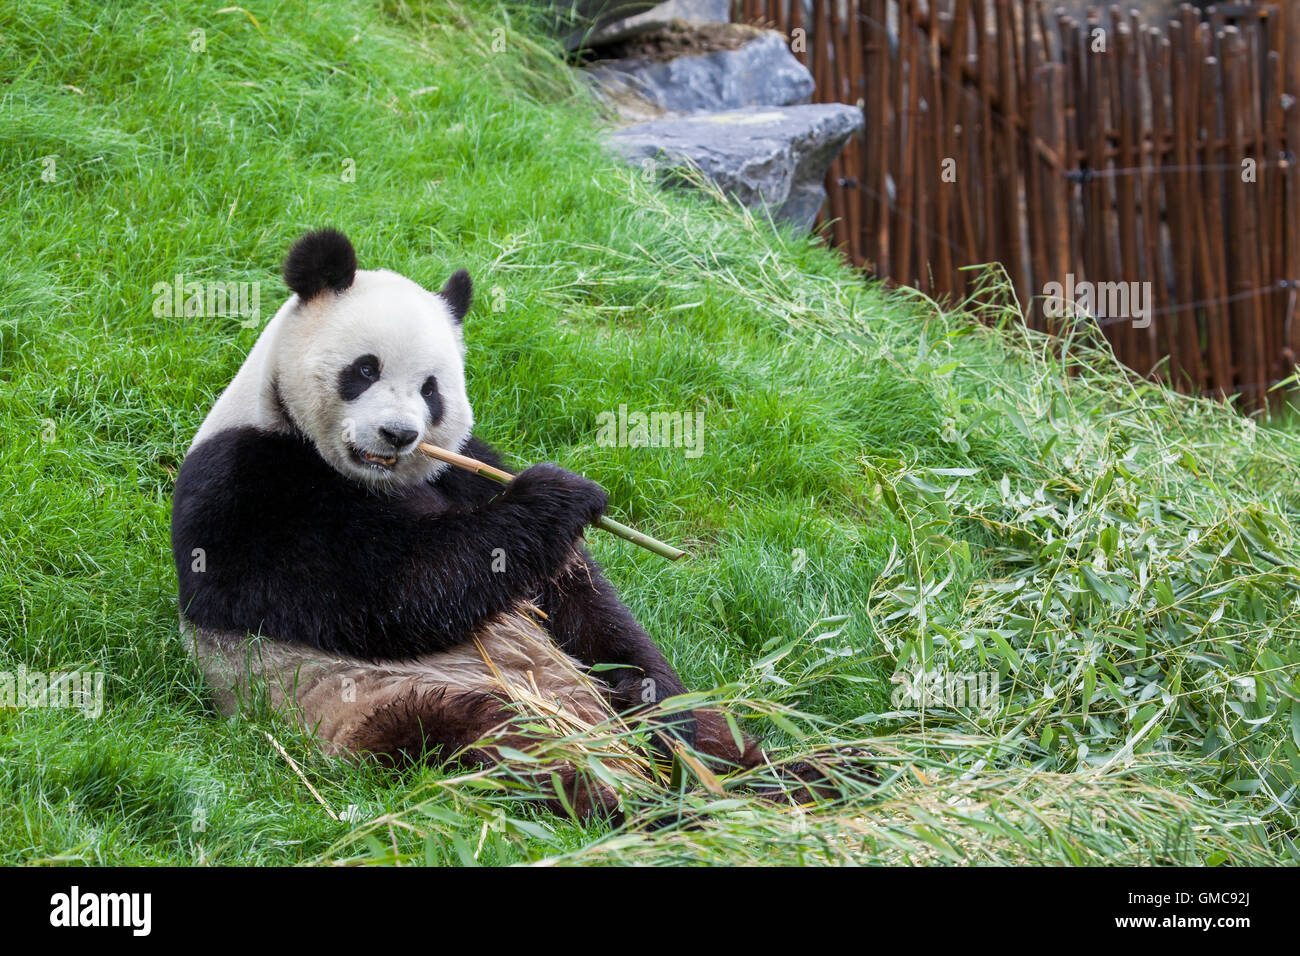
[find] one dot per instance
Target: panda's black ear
(457, 293)
(320, 260)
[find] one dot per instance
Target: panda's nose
(400, 438)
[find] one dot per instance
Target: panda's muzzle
(399, 439)
(372, 460)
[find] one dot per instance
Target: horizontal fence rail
(1138, 174)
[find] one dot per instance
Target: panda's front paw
(549, 489)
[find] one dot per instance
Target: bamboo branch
(605, 522)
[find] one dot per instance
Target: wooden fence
(1139, 174)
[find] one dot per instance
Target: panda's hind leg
(428, 723)
(448, 704)
(438, 724)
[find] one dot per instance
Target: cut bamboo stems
(605, 522)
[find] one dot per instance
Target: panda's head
(369, 364)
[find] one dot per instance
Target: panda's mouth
(378, 462)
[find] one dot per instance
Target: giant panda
(322, 557)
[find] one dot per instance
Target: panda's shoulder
(460, 486)
(248, 461)
(476, 447)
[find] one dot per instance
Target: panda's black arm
(588, 619)
(584, 612)
(291, 549)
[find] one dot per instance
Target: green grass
(1124, 558)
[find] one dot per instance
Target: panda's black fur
(295, 550)
(320, 260)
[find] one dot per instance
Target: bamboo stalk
(605, 522)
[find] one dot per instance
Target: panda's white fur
(292, 366)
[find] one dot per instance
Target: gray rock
(763, 72)
(686, 11)
(767, 157)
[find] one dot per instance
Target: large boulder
(759, 70)
(773, 158)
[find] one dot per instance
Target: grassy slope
(595, 291)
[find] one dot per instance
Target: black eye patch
(357, 377)
(429, 390)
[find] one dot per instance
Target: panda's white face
(370, 372)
